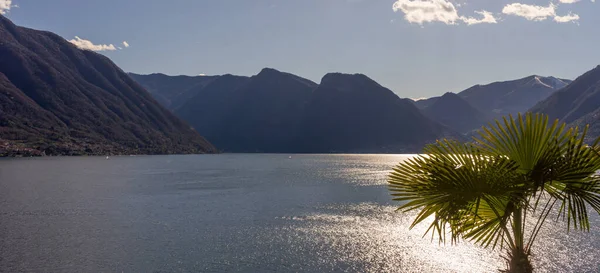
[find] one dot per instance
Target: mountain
(352, 113)
(278, 112)
(172, 91)
(578, 103)
(511, 97)
(508, 97)
(424, 103)
(208, 112)
(256, 114)
(59, 100)
(456, 113)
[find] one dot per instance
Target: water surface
(233, 213)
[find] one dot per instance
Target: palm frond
(553, 159)
(465, 191)
(530, 141)
(574, 181)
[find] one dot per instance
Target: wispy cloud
(422, 11)
(125, 44)
(445, 11)
(88, 45)
(530, 12)
(488, 18)
(5, 6)
(426, 11)
(567, 18)
(539, 13)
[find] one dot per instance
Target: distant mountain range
(280, 112)
(491, 101)
(56, 99)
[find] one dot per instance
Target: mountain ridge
(456, 113)
(271, 112)
(495, 100)
(577, 104)
(367, 117)
(87, 103)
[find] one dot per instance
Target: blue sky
(417, 48)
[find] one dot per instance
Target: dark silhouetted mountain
(454, 112)
(58, 99)
(352, 113)
(256, 114)
(172, 91)
(511, 97)
(208, 111)
(578, 103)
(280, 112)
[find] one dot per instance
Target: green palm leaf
(463, 189)
(484, 191)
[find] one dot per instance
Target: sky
(417, 48)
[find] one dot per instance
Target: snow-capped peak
(539, 81)
(550, 82)
(557, 83)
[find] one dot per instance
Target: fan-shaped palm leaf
(462, 189)
(483, 191)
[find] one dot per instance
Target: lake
(234, 213)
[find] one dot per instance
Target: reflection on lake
(223, 213)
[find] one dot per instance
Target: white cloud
(5, 6)
(88, 45)
(569, 1)
(422, 11)
(530, 12)
(540, 13)
(125, 44)
(488, 18)
(426, 11)
(567, 18)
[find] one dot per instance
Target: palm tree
(485, 191)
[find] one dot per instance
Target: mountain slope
(424, 103)
(578, 103)
(58, 99)
(454, 112)
(209, 110)
(256, 114)
(352, 113)
(511, 97)
(172, 91)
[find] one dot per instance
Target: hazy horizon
(415, 48)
